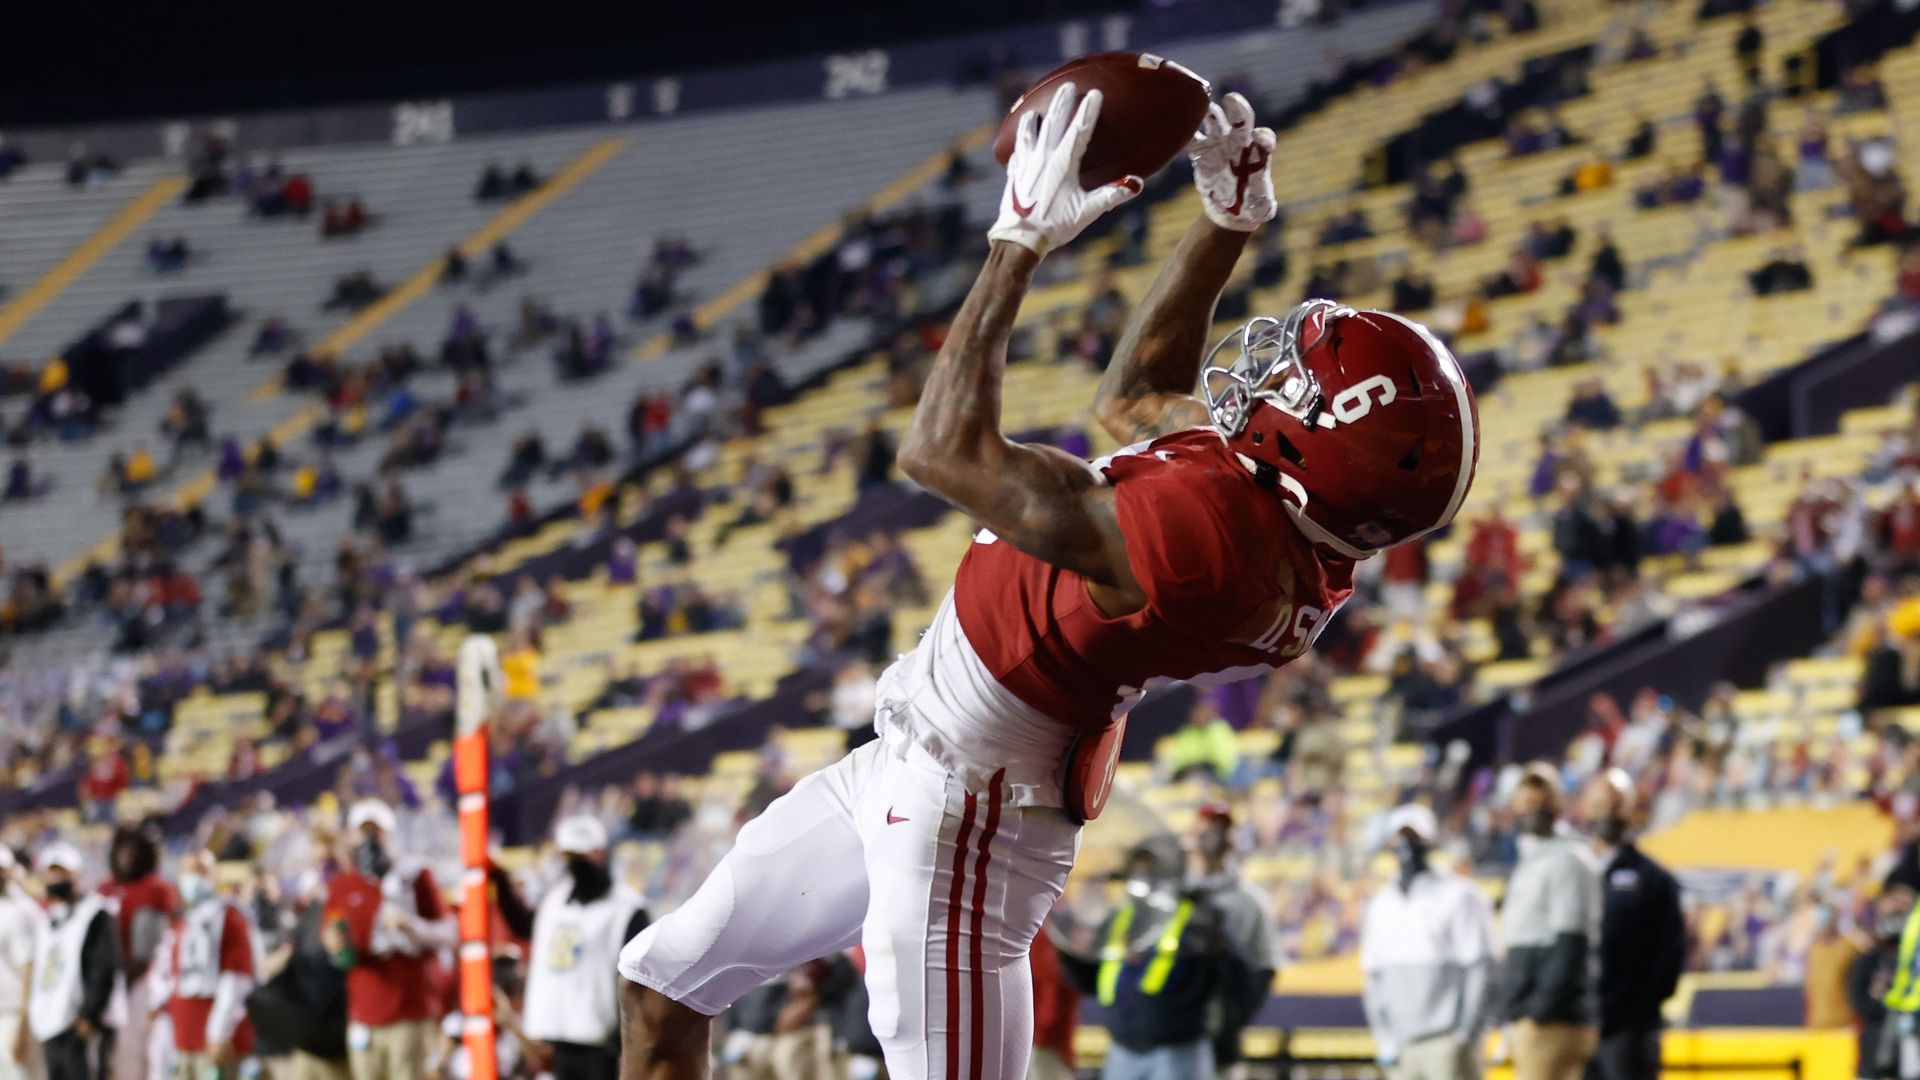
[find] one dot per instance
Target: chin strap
(1268, 476)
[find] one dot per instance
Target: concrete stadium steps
(42, 219)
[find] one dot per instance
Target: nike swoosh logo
(891, 819)
(1023, 211)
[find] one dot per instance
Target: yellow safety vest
(1113, 956)
(1904, 995)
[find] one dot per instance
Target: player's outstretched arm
(1042, 501)
(1148, 389)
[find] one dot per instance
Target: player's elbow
(1115, 417)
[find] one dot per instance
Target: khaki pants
(31, 1069)
(806, 1054)
(189, 1065)
(1046, 1065)
(1552, 1051)
(393, 1051)
(300, 1065)
(1437, 1057)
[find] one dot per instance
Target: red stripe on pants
(979, 909)
(953, 935)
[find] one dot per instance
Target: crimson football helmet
(1361, 420)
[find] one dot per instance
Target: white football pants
(944, 888)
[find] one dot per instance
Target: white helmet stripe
(1463, 398)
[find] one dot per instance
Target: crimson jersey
(1232, 589)
(211, 941)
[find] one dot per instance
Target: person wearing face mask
(1427, 953)
(1550, 926)
(21, 924)
(77, 1001)
(1870, 979)
(1643, 934)
(1244, 920)
(1164, 968)
(211, 968)
(386, 925)
(578, 931)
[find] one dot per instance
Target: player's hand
(22, 1048)
(1044, 205)
(83, 1029)
(223, 1055)
(1230, 166)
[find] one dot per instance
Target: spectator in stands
(528, 457)
(1204, 746)
(1785, 271)
(78, 961)
(1412, 292)
(21, 482)
(658, 808)
(187, 422)
(1892, 676)
(1876, 191)
(1708, 109)
(384, 925)
(1640, 145)
(166, 256)
(1592, 407)
(875, 457)
(1346, 227)
(524, 179)
(493, 183)
(1607, 264)
(1427, 957)
(1812, 169)
(1551, 928)
(1643, 934)
(343, 219)
(1747, 47)
(354, 291)
(453, 267)
(1860, 91)
(85, 168)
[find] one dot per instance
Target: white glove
(1044, 205)
(1230, 158)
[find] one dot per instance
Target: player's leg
(792, 889)
(960, 884)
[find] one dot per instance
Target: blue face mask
(194, 888)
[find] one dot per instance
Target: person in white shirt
(21, 924)
(1427, 952)
(578, 931)
(78, 1001)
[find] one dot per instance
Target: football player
(1215, 547)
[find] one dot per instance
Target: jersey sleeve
(236, 945)
(426, 895)
(1181, 549)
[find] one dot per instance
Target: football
(1151, 108)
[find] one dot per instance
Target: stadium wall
(954, 61)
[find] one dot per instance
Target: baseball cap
(61, 854)
(371, 812)
(1415, 818)
(580, 835)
